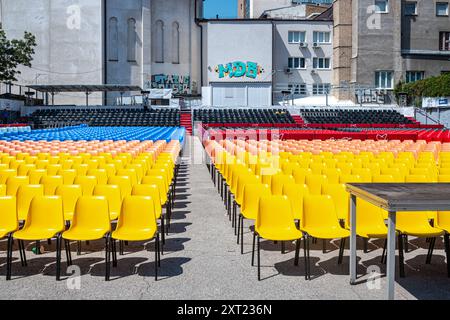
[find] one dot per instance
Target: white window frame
(299, 36)
(412, 76)
(316, 63)
(292, 66)
(446, 12)
(385, 86)
(316, 37)
(444, 41)
(300, 89)
(320, 89)
(415, 8)
(377, 10)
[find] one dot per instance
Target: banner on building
(441, 102)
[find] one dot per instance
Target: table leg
(353, 258)
(390, 270)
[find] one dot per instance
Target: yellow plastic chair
(137, 222)
(442, 222)
(124, 183)
(25, 195)
(91, 222)
(2, 190)
(50, 184)
(45, 221)
(295, 194)
(250, 205)
(417, 178)
(341, 199)
(128, 173)
(315, 183)
(275, 227)
(87, 184)
(23, 169)
(82, 169)
(278, 181)
(8, 225)
(52, 169)
(112, 194)
(383, 178)
(349, 178)
(444, 178)
(68, 175)
(110, 169)
(332, 174)
(151, 190)
(394, 172)
(320, 221)
(364, 173)
(5, 174)
(69, 195)
(13, 183)
(100, 174)
(140, 172)
(35, 175)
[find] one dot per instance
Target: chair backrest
(138, 168)
(35, 175)
(138, 213)
(274, 213)
(417, 178)
(250, 201)
(112, 194)
(278, 181)
(349, 178)
(68, 175)
(242, 181)
(332, 174)
(50, 184)
(46, 212)
(161, 173)
(69, 195)
(367, 214)
(318, 211)
(91, 212)
(128, 173)
(13, 183)
(124, 183)
(25, 194)
(295, 194)
(100, 174)
(87, 184)
(382, 178)
(341, 199)
(364, 173)
(8, 217)
(150, 190)
(315, 182)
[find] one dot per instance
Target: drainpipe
(197, 22)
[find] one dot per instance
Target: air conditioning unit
(303, 45)
(315, 45)
(288, 70)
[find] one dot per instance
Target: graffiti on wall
(178, 84)
(239, 69)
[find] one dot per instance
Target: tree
(13, 53)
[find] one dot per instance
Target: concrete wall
(67, 52)
(230, 41)
(257, 7)
(282, 50)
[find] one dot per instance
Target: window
(382, 5)
(158, 42)
(383, 80)
(441, 9)
(321, 36)
(444, 41)
(321, 63)
(412, 76)
(321, 88)
(410, 8)
(175, 42)
(113, 47)
(296, 63)
(131, 40)
(296, 36)
(298, 89)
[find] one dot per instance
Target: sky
(224, 8)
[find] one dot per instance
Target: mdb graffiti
(239, 69)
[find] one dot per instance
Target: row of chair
(357, 116)
(243, 116)
(318, 203)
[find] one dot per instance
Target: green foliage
(13, 53)
(431, 87)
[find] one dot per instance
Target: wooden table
(394, 197)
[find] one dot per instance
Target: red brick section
(186, 121)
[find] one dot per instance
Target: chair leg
(238, 229)
(305, 239)
(283, 247)
(58, 257)
(253, 248)
(430, 250)
(297, 249)
(365, 243)
(121, 247)
(405, 238)
(162, 230)
(383, 254)
(258, 258)
(68, 253)
(49, 242)
(21, 252)
(401, 261)
(156, 258)
(309, 260)
(242, 234)
(447, 252)
(78, 248)
(9, 257)
(324, 246)
(107, 257)
(114, 252)
(341, 250)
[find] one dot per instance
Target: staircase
(298, 120)
(186, 121)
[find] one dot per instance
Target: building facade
(379, 43)
(148, 43)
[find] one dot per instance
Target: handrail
(427, 116)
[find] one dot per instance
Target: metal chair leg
(297, 249)
(58, 257)
(401, 261)
(383, 254)
(259, 258)
(9, 257)
(447, 252)
(107, 257)
(253, 248)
